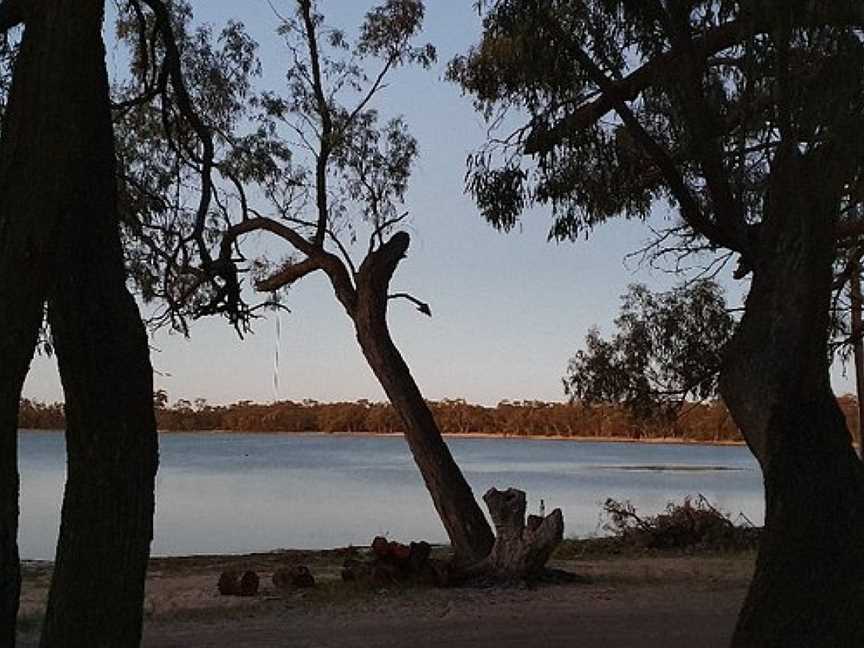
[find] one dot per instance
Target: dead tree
(522, 549)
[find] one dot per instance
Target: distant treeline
(702, 422)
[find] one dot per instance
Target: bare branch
(326, 140)
(423, 307)
(288, 275)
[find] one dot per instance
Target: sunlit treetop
(625, 103)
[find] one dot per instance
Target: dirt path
(645, 602)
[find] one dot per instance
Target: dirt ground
(645, 601)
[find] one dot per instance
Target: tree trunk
(808, 588)
(58, 211)
(29, 168)
(465, 523)
(20, 319)
(858, 343)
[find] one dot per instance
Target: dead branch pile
(695, 524)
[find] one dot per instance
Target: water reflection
(222, 493)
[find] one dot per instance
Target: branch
(320, 258)
(184, 103)
(267, 225)
(667, 66)
(288, 275)
(542, 140)
(423, 307)
(703, 123)
(326, 138)
(690, 210)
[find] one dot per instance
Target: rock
(235, 583)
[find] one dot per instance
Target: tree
(665, 353)
(747, 118)
(60, 244)
(326, 168)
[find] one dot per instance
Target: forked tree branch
(663, 66)
(691, 212)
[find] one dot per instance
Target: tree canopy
(626, 104)
(666, 351)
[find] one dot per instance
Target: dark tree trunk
(97, 593)
(858, 343)
(28, 251)
(808, 588)
(20, 319)
(465, 523)
(58, 219)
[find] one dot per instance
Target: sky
(508, 309)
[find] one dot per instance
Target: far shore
(467, 435)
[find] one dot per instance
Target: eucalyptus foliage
(666, 351)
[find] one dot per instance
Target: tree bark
(20, 319)
(28, 250)
(808, 588)
(858, 343)
(465, 523)
(58, 217)
(521, 550)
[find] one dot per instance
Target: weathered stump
(521, 550)
(235, 583)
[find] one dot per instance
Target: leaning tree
(747, 118)
(312, 169)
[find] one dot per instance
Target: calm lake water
(233, 493)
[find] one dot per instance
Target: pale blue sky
(508, 309)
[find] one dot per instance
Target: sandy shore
(653, 601)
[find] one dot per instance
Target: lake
(237, 493)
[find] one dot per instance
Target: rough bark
(858, 343)
(465, 523)
(29, 164)
(97, 593)
(521, 550)
(58, 216)
(808, 587)
(20, 318)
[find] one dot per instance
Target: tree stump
(521, 550)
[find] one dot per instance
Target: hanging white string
(276, 355)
